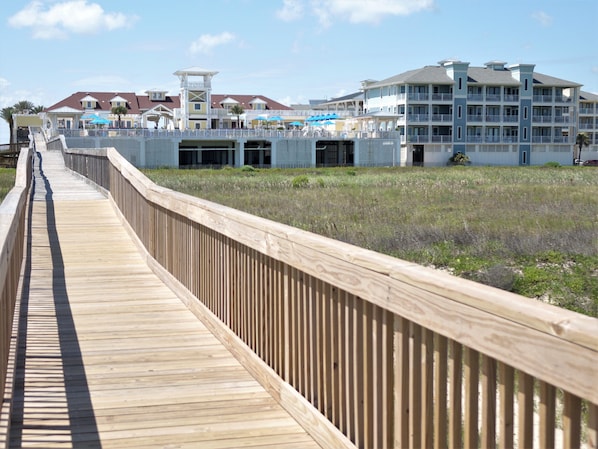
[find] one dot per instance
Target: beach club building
(496, 114)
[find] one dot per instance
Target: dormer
(228, 103)
(156, 95)
(257, 104)
(118, 101)
(495, 65)
(89, 102)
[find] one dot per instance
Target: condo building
(496, 114)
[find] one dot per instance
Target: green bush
(459, 159)
(300, 181)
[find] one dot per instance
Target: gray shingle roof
(481, 75)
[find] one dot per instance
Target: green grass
(7, 181)
(530, 230)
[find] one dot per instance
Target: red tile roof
(136, 104)
(245, 101)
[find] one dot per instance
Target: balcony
(444, 118)
(442, 97)
(418, 117)
(418, 96)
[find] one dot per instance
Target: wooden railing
(13, 211)
(392, 354)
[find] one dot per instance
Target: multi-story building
(588, 123)
(495, 114)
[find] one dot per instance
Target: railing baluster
(401, 382)
(525, 401)
(547, 415)
(488, 424)
(455, 383)
(571, 421)
(440, 391)
(472, 375)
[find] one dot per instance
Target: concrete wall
(294, 152)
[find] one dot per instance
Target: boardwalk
(108, 356)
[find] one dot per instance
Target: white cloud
(4, 83)
(69, 17)
(371, 11)
(207, 42)
(291, 10)
(543, 18)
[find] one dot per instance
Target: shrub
(552, 164)
(300, 181)
(247, 168)
(459, 159)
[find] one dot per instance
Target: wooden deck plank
(110, 357)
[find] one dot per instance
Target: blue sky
(289, 50)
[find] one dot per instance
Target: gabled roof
(588, 96)
(428, 74)
(539, 78)
(355, 96)
(245, 101)
(117, 98)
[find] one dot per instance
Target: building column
(356, 152)
(240, 154)
(273, 162)
(313, 152)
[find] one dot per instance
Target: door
(418, 155)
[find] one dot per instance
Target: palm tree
(582, 140)
(23, 107)
(7, 114)
(238, 111)
(118, 111)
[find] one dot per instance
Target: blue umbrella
(89, 117)
(275, 118)
(99, 121)
(296, 124)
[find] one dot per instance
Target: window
(197, 107)
(458, 133)
(460, 83)
(525, 113)
(525, 84)
(459, 111)
(525, 133)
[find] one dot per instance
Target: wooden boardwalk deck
(108, 356)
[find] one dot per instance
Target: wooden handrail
(391, 353)
(12, 233)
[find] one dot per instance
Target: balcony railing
(418, 96)
(442, 97)
(418, 117)
(445, 118)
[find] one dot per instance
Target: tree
(22, 107)
(119, 111)
(7, 115)
(582, 140)
(237, 110)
